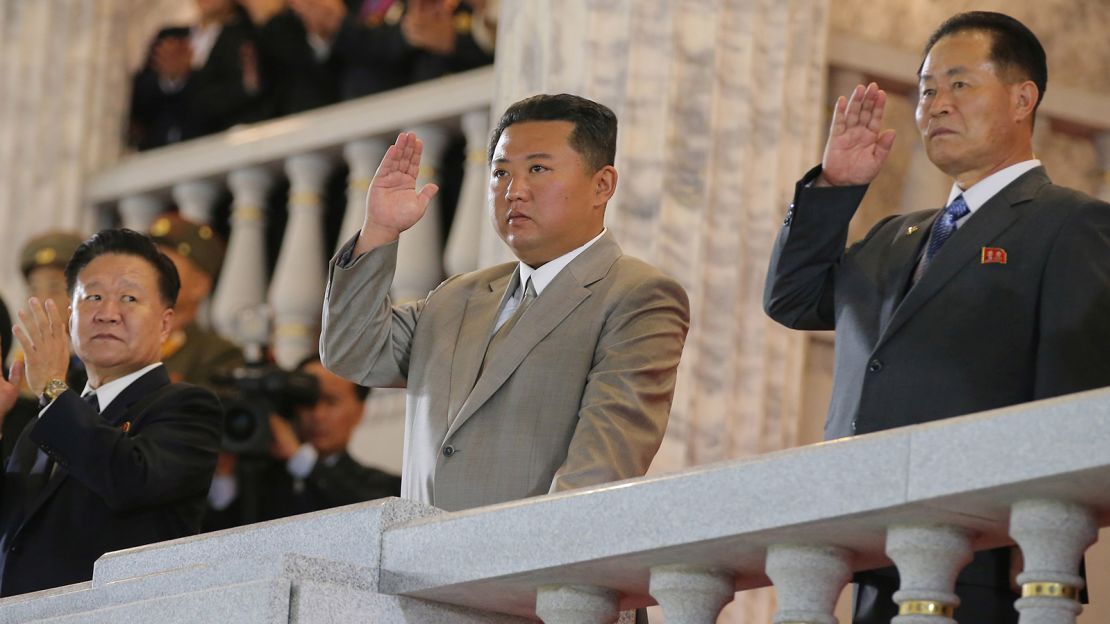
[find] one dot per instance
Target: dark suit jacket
(330, 484)
(111, 489)
(970, 335)
(213, 98)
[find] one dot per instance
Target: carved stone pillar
(929, 558)
(138, 212)
(242, 284)
(576, 604)
(420, 250)
(363, 157)
(297, 290)
(691, 594)
(196, 200)
(461, 254)
(1053, 536)
(808, 579)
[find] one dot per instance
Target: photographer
(309, 468)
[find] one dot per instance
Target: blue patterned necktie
(945, 225)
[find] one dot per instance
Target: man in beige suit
(537, 376)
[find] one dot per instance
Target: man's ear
(167, 323)
(605, 184)
(1024, 96)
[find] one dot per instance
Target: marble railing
(305, 148)
(922, 497)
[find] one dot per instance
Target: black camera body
(253, 393)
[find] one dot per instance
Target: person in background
(193, 353)
(309, 468)
(197, 79)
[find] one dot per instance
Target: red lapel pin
(992, 255)
(126, 426)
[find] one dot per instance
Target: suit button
(448, 450)
(875, 365)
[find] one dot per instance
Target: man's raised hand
(858, 146)
(45, 339)
(393, 204)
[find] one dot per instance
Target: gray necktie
(502, 332)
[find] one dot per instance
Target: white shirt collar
(982, 191)
(203, 39)
(542, 276)
(108, 392)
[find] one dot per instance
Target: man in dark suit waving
(127, 461)
(1002, 297)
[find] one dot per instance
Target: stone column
(420, 251)
(808, 579)
(691, 594)
(928, 558)
(297, 289)
(461, 254)
(138, 212)
(1102, 145)
(196, 200)
(576, 604)
(1053, 536)
(363, 157)
(242, 285)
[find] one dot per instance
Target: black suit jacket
(971, 335)
(136, 474)
(330, 484)
(212, 99)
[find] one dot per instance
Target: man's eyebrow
(959, 69)
(532, 156)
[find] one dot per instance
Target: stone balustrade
(304, 149)
(924, 497)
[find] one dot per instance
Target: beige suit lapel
(474, 336)
(565, 293)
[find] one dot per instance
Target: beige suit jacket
(577, 395)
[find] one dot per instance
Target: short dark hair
(360, 391)
(129, 243)
(595, 125)
(1015, 50)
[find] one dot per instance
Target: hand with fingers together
(9, 388)
(45, 339)
(393, 204)
(858, 146)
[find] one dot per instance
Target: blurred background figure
(193, 353)
(197, 79)
(42, 262)
(308, 468)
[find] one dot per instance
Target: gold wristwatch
(53, 388)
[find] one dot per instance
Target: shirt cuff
(321, 48)
(302, 462)
(223, 491)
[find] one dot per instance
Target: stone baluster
(929, 558)
(691, 594)
(1053, 536)
(576, 604)
(1102, 144)
(420, 251)
(196, 200)
(138, 212)
(241, 288)
(363, 157)
(297, 289)
(808, 579)
(461, 253)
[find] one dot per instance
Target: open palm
(858, 146)
(393, 204)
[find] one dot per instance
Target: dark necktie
(91, 399)
(943, 228)
(945, 225)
